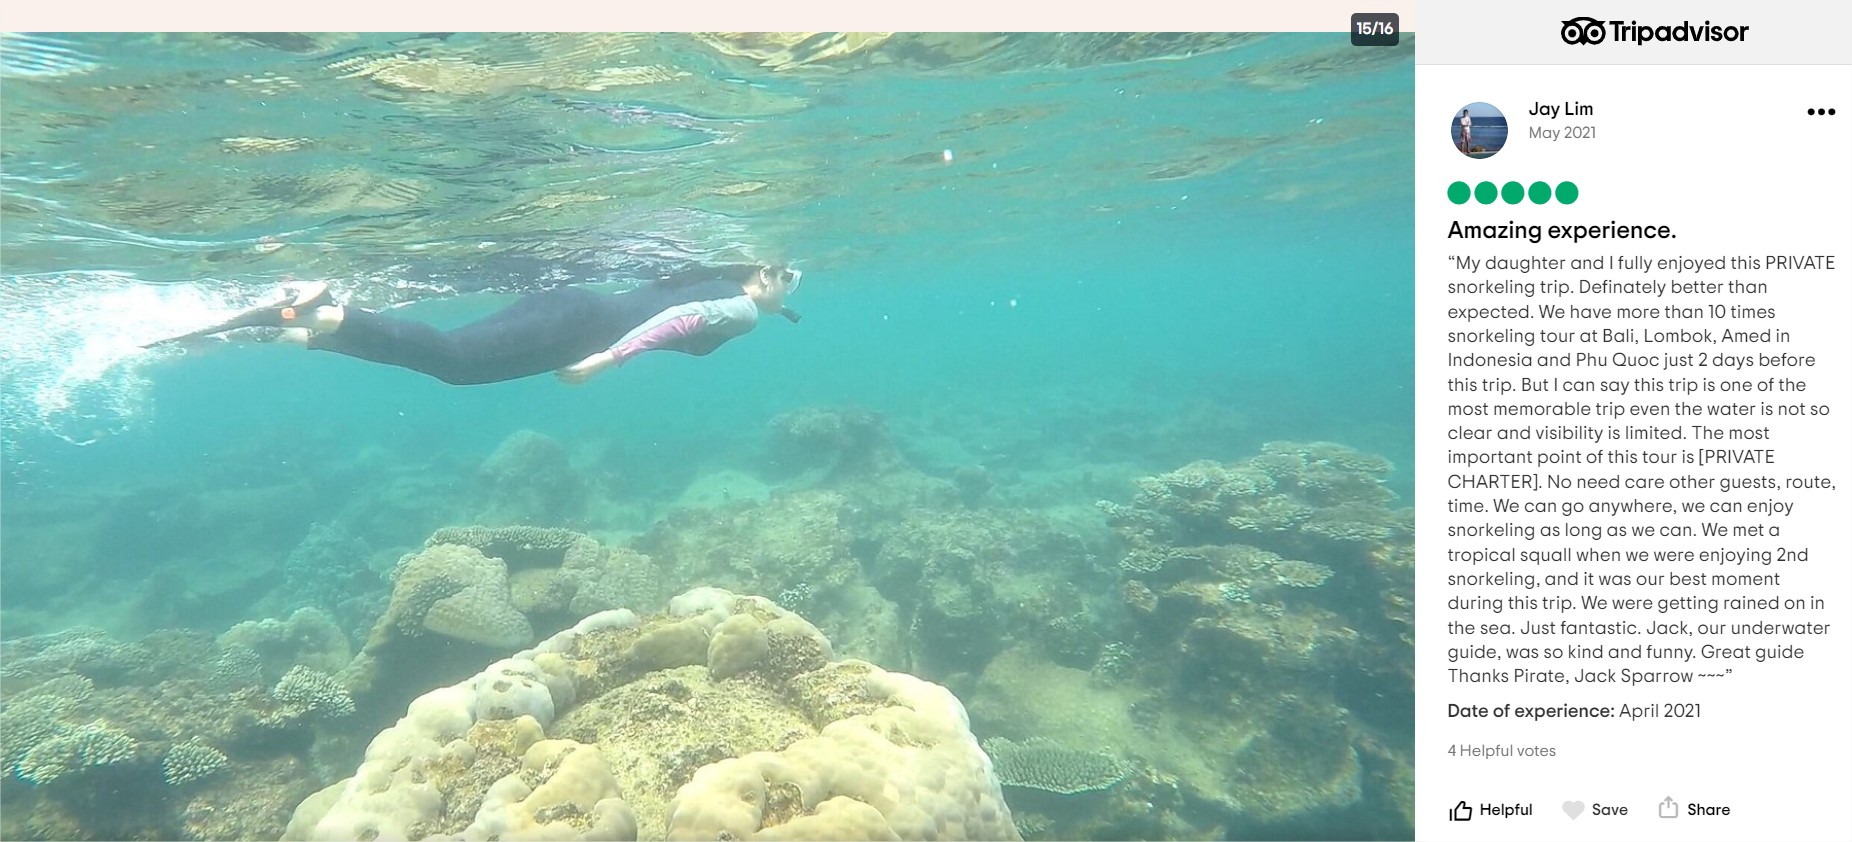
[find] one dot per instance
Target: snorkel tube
(790, 314)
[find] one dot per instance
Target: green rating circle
(1514, 193)
(1539, 192)
(1486, 192)
(1458, 192)
(1567, 192)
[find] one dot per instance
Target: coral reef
(892, 562)
(191, 761)
(311, 692)
(308, 637)
(801, 537)
(1225, 653)
(252, 800)
(800, 546)
(143, 753)
(592, 578)
(327, 570)
(1320, 509)
(1052, 767)
(724, 717)
(1270, 595)
(903, 575)
(1268, 764)
(84, 749)
(530, 478)
(839, 443)
(453, 591)
(80, 650)
(489, 588)
(1295, 498)
(965, 575)
(518, 546)
(236, 668)
(557, 573)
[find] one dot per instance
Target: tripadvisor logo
(1586, 30)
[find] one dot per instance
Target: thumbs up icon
(1668, 809)
(1461, 812)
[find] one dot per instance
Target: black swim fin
(273, 314)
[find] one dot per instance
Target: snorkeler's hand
(583, 370)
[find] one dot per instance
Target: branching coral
(313, 692)
(1326, 474)
(1300, 574)
(103, 755)
(25, 723)
(76, 751)
(82, 650)
(237, 667)
(191, 761)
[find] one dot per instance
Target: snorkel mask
(791, 278)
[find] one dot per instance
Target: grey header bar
(1619, 32)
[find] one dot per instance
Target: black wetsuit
(541, 332)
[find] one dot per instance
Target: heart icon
(1573, 808)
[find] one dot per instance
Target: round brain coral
(649, 741)
(911, 761)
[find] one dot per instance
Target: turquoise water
(1070, 261)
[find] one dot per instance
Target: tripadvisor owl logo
(1587, 30)
(1584, 31)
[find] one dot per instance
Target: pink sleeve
(679, 327)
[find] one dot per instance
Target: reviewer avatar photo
(1479, 130)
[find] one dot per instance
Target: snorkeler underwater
(1077, 507)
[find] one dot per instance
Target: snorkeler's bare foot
(309, 305)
